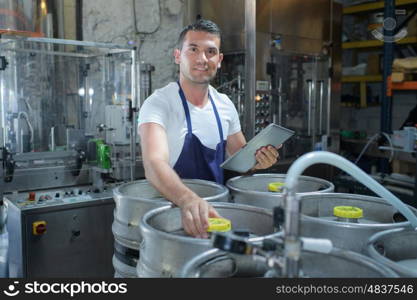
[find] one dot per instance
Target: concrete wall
(155, 32)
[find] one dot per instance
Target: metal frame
(70, 42)
(386, 101)
(60, 175)
(250, 67)
(135, 109)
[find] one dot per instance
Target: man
(187, 126)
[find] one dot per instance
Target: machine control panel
(263, 113)
(54, 197)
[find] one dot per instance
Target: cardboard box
(373, 67)
(402, 167)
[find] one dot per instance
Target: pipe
(22, 113)
(330, 158)
(292, 201)
(135, 107)
(59, 8)
(292, 241)
(250, 67)
(336, 160)
(52, 138)
(79, 20)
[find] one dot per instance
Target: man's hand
(266, 157)
(195, 212)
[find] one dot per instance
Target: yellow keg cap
(219, 224)
(275, 186)
(349, 212)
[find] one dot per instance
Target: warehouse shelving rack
(387, 86)
(363, 80)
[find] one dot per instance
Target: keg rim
(117, 229)
(384, 260)
(347, 196)
(145, 228)
(189, 270)
(368, 261)
(330, 186)
(224, 191)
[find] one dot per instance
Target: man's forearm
(167, 182)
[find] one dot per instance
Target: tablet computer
(244, 159)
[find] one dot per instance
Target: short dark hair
(200, 25)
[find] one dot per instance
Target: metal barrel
(253, 190)
(124, 261)
(215, 263)
(318, 221)
(166, 247)
(136, 198)
(396, 249)
(4, 243)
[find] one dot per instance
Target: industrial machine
(68, 135)
(60, 233)
(406, 139)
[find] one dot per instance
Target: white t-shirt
(165, 108)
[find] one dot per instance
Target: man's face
(199, 57)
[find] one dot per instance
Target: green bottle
(104, 160)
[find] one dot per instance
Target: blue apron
(196, 161)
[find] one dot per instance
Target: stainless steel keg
(396, 249)
(166, 247)
(136, 198)
(253, 190)
(318, 220)
(338, 263)
(4, 243)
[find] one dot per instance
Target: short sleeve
(234, 126)
(154, 110)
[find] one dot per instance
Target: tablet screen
(244, 159)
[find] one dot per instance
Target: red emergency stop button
(32, 196)
(39, 227)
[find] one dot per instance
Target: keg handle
(270, 248)
(270, 251)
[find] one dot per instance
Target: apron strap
(219, 123)
(186, 110)
(188, 116)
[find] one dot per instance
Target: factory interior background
(340, 74)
